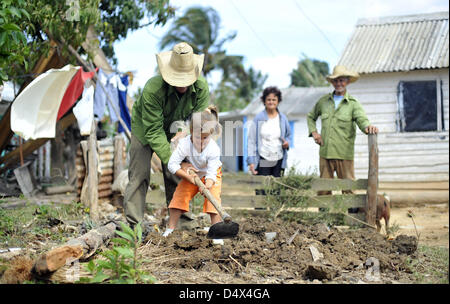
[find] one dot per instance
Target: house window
(420, 106)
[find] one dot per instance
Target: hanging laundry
(34, 111)
(124, 113)
(110, 83)
(73, 91)
(84, 110)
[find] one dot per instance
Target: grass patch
(20, 226)
(431, 265)
(293, 190)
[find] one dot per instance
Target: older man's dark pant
(139, 172)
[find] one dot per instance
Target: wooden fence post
(372, 181)
(119, 161)
(92, 174)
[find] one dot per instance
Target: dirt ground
(298, 254)
(345, 256)
(432, 223)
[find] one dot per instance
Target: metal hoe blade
(223, 230)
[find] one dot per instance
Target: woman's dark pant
(266, 167)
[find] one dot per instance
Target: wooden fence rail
(241, 190)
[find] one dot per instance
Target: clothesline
(33, 111)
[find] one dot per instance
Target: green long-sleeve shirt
(159, 106)
(338, 125)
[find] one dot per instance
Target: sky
(271, 35)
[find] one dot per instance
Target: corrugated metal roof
(398, 43)
(296, 101)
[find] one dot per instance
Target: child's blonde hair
(207, 121)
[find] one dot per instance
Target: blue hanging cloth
(124, 113)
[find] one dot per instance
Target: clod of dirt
(18, 271)
(405, 244)
(321, 272)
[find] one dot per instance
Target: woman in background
(269, 137)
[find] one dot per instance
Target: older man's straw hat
(342, 71)
(180, 67)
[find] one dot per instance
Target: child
(204, 155)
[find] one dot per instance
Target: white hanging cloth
(34, 111)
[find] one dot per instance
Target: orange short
(186, 191)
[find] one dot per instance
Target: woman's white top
(207, 161)
(270, 144)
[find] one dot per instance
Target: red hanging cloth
(74, 91)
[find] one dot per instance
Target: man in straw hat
(166, 99)
(339, 112)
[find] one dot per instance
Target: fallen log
(55, 259)
(59, 189)
(80, 248)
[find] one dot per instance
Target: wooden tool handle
(206, 193)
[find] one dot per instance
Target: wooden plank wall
(403, 157)
(106, 164)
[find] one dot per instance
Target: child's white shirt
(207, 161)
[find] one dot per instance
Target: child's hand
(209, 183)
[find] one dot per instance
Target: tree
(121, 16)
(238, 86)
(310, 73)
(26, 28)
(200, 28)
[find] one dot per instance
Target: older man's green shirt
(159, 106)
(338, 125)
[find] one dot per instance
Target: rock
(321, 272)
(188, 215)
(405, 244)
(151, 219)
(270, 236)
(203, 219)
(186, 224)
(316, 255)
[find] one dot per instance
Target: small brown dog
(383, 211)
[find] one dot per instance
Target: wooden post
(372, 181)
(119, 161)
(92, 174)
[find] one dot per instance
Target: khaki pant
(344, 169)
(139, 172)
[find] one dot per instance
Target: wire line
(317, 27)
(254, 32)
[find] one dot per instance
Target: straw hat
(180, 67)
(341, 71)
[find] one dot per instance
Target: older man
(339, 112)
(167, 98)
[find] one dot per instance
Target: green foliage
(121, 265)
(118, 17)
(293, 190)
(7, 224)
(430, 266)
(310, 73)
(13, 43)
(26, 28)
(238, 86)
(200, 28)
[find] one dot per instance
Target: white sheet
(34, 111)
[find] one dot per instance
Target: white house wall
(304, 156)
(403, 157)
